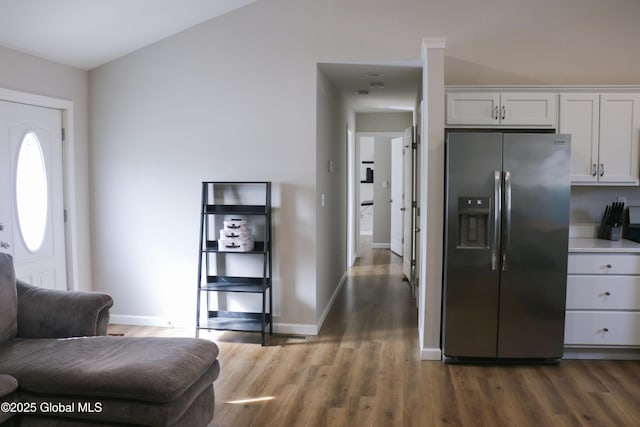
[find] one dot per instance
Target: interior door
(31, 193)
(409, 177)
(397, 195)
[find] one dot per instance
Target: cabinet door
(601, 292)
(579, 116)
(602, 328)
(473, 108)
(603, 263)
(528, 109)
(619, 138)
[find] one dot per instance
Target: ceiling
(401, 83)
(88, 33)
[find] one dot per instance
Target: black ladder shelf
(221, 268)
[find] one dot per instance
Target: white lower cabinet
(602, 328)
(603, 301)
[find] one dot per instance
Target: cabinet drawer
(602, 328)
(603, 264)
(603, 292)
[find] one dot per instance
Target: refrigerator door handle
(497, 214)
(506, 234)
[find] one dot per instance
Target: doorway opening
(382, 103)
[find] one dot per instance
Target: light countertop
(586, 245)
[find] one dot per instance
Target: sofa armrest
(8, 386)
(50, 313)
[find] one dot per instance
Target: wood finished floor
(363, 370)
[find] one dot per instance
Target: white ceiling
(88, 33)
(401, 85)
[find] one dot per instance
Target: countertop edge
(591, 245)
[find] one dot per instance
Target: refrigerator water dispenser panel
(473, 222)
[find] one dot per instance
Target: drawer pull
(609, 266)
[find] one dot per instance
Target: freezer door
(470, 312)
(535, 244)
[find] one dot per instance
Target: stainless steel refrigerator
(506, 237)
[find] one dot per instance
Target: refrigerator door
(535, 245)
(472, 269)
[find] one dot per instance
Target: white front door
(31, 193)
(397, 195)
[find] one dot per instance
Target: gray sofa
(58, 367)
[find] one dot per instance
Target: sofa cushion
(8, 299)
(140, 368)
(125, 412)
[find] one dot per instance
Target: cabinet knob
(606, 294)
(605, 330)
(609, 266)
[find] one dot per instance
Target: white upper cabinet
(619, 138)
(580, 117)
(509, 109)
(605, 134)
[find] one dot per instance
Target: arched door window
(31, 192)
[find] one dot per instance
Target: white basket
(235, 245)
(226, 233)
(235, 224)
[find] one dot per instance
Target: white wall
(28, 74)
(331, 194)
(384, 122)
(245, 86)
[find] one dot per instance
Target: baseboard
(430, 354)
(295, 329)
(601, 353)
(332, 300)
(279, 328)
(121, 319)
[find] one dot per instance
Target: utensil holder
(610, 233)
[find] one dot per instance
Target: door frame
(68, 172)
(353, 233)
(395, 177)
